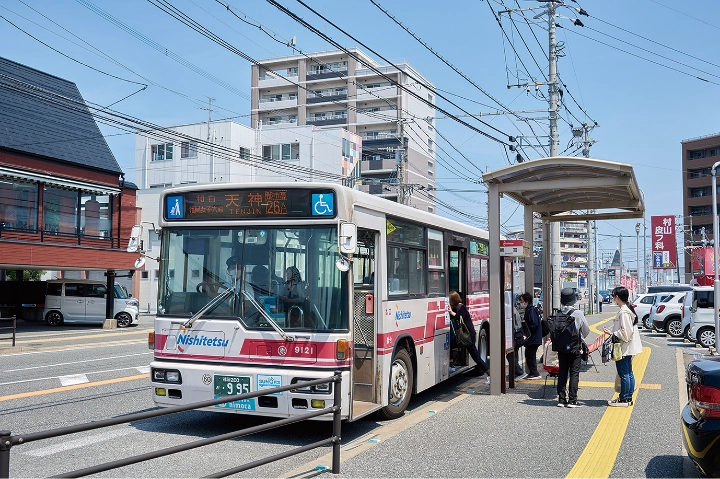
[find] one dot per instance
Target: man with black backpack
(567, 328)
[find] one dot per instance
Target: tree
(28, 275)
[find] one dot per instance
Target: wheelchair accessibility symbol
(322, 204)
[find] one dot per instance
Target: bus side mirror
(347, 238)
(134, 243)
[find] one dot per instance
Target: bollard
(5, 445)
(337, 398)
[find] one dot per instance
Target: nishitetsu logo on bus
(400, 314)
(195, 340)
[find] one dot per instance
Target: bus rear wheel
(401, 385)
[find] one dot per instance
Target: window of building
(95, 215)
(143, 274)
(714, 151)
(703, 191)
(430, 98)
(162, 152)
(696, 154)
(244, 153)
(699, 173)
(285, 151)
(160, 185)
(60, 210)
(292, 71)
(18, 205)
(188, 149)
(700, 210)
(431, 209)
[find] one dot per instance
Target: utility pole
(621, 260)
(554, 148)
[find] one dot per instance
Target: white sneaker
(487, 380)
(521, 376)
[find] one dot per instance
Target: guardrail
(13, 327)
(8, 441)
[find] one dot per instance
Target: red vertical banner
(664, 249)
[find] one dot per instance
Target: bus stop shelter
(558, 189)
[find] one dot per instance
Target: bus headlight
(166, 376)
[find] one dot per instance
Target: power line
(376, 70)
(646, 59)
(71, 58)
(687, 15)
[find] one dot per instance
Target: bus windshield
(288, 273)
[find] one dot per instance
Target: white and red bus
(255, 292)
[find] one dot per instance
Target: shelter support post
(496, 343)
(529, 261)
(547, 269)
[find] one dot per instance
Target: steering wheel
(207, 287)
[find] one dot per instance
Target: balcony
(376, 115)
(325, 120)
(275, 103)
(382, 92)
(378, 167)
(322, 75)
(270, 81)
(327, 96)
(381, 140)
(287, 121)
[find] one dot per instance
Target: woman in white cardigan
(625, 330)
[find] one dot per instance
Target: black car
(701, 416)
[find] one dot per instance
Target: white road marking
(56, 377)
(96, 345)
(76, 362)
(143, 369)
(76, 443)
(73, 379)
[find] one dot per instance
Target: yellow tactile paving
(598, 458)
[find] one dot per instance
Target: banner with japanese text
(664, 249)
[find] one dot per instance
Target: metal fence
(8, 441)
(13, 327)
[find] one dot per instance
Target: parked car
(642, 305)
(702, 318)
(701, 416)
(604, 295)
(77, 300)
(658, 298)
(669, 288)
(668, 315)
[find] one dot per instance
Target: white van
(702, 316)
(82, 300)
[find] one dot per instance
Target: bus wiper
(214, 302)
(264, 313)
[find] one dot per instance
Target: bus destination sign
(251, 203)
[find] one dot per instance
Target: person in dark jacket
(457, 308)
(534, 339)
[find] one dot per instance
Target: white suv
(668, 315)
(642, 305)
(702, 319)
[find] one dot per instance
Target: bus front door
(364, 325)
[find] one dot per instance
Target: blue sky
(644, 110)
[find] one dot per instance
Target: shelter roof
(568, 188)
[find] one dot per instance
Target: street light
(637, 254)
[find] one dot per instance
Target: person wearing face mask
(534, 339)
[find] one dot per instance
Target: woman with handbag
(626, 334)
(458, 311)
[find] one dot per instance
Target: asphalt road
(76, 374)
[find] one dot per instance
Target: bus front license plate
(232, 386)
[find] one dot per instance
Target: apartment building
(698, 156)
(331, 89)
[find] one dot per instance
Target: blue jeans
(627, 378)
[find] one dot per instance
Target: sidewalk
(459, 430)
